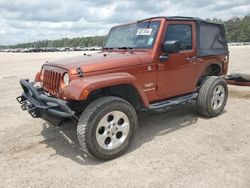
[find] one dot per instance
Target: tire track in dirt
(239, 94)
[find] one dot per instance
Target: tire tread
(86, 116)
(204, 94)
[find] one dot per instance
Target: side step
(163, 105)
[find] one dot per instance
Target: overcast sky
(31, 20)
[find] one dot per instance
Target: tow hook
(27, 106)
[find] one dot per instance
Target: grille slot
(51, 81)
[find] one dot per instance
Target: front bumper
(39, 105)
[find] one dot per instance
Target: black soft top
(211, 39)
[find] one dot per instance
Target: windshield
(138, 35)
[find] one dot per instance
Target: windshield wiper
(107, 48)
(125, 48)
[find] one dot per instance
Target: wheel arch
(122, 85)
(213, 69)
(125, 91)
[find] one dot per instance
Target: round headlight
(66, 79)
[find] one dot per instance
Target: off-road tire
(89, 120)
(205, 95)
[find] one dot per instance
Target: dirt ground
(171, 149)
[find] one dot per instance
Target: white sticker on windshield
(144, 31)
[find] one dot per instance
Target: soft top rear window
(211, 39)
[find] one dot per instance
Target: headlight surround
(66, 79)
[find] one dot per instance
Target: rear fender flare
(201, 74)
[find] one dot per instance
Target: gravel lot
(172, 149)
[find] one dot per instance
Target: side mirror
(171, 47)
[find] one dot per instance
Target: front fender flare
(78, 87)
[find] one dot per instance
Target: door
(176, 75)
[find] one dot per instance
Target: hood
(102, 61)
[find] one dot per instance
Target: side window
(181, 33)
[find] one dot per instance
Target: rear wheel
(106, 127)
(212, 96)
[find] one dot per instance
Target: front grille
(51, 81)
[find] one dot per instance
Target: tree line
(237, 30)
(64, 42)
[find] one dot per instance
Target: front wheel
(106, 127)
(212, 96)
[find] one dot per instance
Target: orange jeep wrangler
(152, 64)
